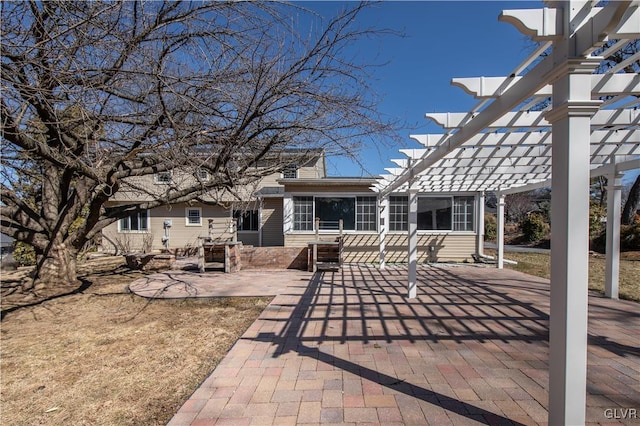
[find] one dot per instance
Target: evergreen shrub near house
(534, 228)
(24, 254)
(490, 227)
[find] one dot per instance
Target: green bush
(24, 254)
(534, 228)
(490, 227)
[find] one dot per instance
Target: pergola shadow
(362, 304)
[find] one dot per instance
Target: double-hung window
(163, 177)
(203, 175)
(193, 216)
(366, 214)
(303, 213)
(290, 171)
(398, 213)
(135, 222)
(463, 213)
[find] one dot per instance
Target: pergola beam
(601, 85)
(521, 90)
(575, 30)
(534, 120)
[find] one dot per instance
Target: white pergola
(504, 147)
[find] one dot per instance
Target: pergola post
(614, 200)
(413, 243)
(571, 120)
(384, 224)
(480, 222)
(500, 231)
(574, 29)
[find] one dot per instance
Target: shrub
(24, 254)
(629, 239)
(490, 227)
(597, 214)
(534, 228)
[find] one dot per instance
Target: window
(290, 171)
(366, 214)
(398, 213)
(357, 213)
(193, 216)
(135, 222)
(246, 220)
(203, 175)
(163, 177)
(463, 213)
(434, 213)
(303, 213)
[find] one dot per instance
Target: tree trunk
(57, 268)
(630, 207)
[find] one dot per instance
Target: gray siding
(272, 222)
(180, 235)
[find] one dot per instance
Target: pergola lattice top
(503, 146)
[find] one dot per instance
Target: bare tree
(519, 205)
(632, 202)
(98, 94)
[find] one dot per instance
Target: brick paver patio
(347, 347)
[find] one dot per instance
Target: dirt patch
(99, 355)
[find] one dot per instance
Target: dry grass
(538, 264)
(106, 357)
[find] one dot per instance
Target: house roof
(330, 181)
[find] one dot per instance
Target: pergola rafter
(502, 145)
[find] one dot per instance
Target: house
(284, 209)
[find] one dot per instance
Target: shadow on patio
(415, 347)
(349, 347)
(473, 343)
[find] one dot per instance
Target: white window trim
(186, 216)
(206, 176)
(293, 167)
(442, 231)
(163, 182)
(128, 231)
(315, 195)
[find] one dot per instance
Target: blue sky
(442, 40)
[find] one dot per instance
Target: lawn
(538, 264)
(106, 357)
